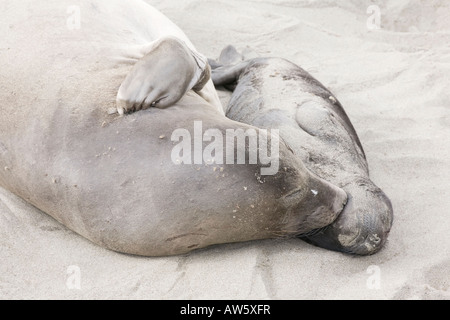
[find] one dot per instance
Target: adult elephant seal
(275, 93)
(111, 178)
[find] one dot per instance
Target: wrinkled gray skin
(111, 178)
(275, 93)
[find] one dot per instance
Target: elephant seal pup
(275, 93)
(113, 179)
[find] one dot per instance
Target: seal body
(275, 93)
(111, 178)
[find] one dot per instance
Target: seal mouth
(312, 232)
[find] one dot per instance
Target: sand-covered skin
(394, 85)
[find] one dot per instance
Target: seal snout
(371, 227)
(363, 226)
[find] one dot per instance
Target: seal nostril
(371, 245)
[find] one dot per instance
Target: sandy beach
(393, 79)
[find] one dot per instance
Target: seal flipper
(214, 64)
(228, 75)
(230, 56)
(226, 70)
(162, 76)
